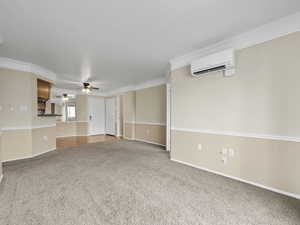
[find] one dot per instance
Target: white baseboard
(79, 135)
(150, 123)
(29, 157)
(241, 180)
(141, 140)
(150, 142)
(71, 136)
(102, 133)
(130, 139)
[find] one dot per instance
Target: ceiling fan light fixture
(65, 97)
(86, 90)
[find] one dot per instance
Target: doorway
(110, 116)
(96, 107)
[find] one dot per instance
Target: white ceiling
(120, 43)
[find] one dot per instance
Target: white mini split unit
(222, 61)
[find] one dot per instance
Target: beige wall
(72, 128)
(260, 99)
(129, 114)
(267, 162)
(18, 98)
(151, 133)
(129, 131)
(129, 106)
(82, 108)
(16, 90)
(65, 129)
(43, 140)
(1, 173)
(151, 115)
(16, 144)
(120, 116)
(82, 128)
(145, 114)
(151, 105)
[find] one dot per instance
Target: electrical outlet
(231, 152)
(199, 147)
(224, 159)
(224, 151)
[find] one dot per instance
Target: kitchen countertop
(48, 115)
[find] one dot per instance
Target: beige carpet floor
(123, 182)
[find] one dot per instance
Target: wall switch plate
(231, 152)
(45, 138)
(199, 147)
(148, 132)
(23, 108)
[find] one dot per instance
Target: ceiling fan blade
(91, 79)
(95, 88)
(71, 79)
(95, 81)
(70, 82)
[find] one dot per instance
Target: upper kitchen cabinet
(44, 89)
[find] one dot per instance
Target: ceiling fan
(64, 97)
(87, 87)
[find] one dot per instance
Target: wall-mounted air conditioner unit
(221, 61)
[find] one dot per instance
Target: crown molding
(40, 71)
(147, 84)
(27, 67)
(121, 90)
(151, 83)
(267, 32)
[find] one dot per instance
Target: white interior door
(110, 116)
(96, 115)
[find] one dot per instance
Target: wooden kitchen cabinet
(44, 89)
(43, 94)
